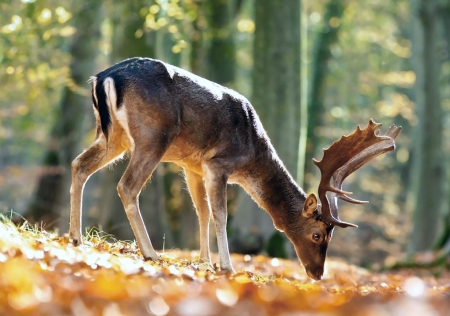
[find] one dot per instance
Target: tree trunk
(51, 198)
(276, 80)
(303, 124)
(129, 41)
(276, 96)
(444, 238)
(327, 37)
(429, 165)
(221, 63)
(221, 52)
(196, 58)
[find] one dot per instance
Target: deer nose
(315, 273)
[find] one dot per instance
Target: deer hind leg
(198, 193)
(150, 145)
(216, 188)
(88, 162)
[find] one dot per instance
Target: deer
(156, 112)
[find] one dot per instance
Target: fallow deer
(158, 112)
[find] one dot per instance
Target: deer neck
(272, 187)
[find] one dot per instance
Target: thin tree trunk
(327, 37)
(276, 97)
(444, 238)
(429, 165)
(276, 80)
(196, 58)
(129, 40)
(221, 53)
(303, 128)
(51, 198)
(221, 63)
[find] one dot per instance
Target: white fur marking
(119, 113)
(110, 90)
(213, 88)
(93, 79)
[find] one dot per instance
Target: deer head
(317, 221)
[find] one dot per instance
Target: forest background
(313, 70)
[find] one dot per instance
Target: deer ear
(310, 205)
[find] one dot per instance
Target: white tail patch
(110, 91)
(119, 114)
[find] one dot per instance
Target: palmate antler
(344, 157)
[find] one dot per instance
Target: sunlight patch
(414, 286)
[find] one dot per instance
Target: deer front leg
(216, 188)
(198, 194)
(89, 161)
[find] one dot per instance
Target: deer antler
(344, 157)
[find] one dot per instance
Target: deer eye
(316, 237)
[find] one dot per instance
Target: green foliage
(276, 246)
(30, 76)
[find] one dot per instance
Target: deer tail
(104, 96)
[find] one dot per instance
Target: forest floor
(41, 273)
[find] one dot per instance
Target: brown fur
(158, 112)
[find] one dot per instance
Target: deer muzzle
(315, 273)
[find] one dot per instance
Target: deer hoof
(224, 270)
(152, 259)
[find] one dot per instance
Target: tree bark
(327, 37)
(221, 51)
(276, 96)
(128, 41)
(429, 168)
(221, 62)
(196, 58)
(51, 198)
(444, 238)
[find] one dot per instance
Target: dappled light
(313, 70)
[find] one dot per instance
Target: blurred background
(313, 70)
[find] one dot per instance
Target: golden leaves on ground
(43, 274)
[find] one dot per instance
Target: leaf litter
(41, 273)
